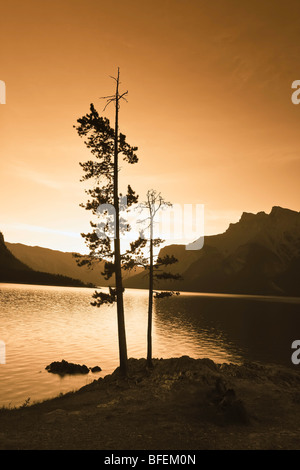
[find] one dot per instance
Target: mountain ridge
(226, 264)
(259, 254)
(13, 270)
(60, 262)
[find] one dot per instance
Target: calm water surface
(41, 324)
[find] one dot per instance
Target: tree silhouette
(154, 264)
(106, 145)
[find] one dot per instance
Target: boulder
(63, 367)
(95, 369)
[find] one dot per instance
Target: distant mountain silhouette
(56, 262)
(260, 254)
(59, 262)
(15, 271)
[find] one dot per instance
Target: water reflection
(42, 324)
(231, 327)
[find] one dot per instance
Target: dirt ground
(181, 404)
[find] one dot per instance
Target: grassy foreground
(182, 404)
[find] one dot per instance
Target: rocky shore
(180, 404)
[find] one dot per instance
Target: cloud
(37, 177)
(23, 170)
(36, 228)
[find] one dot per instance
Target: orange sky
(209, 106)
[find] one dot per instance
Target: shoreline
(182, 403)
(259, 297)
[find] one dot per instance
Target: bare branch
(123, 94)
(108, 102)
(106, 97)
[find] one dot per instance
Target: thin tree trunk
(118, 273)
(150, 303)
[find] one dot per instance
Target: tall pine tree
(107, 145)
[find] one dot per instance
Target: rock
(233, 408)
(235, 412)
(55, 415)
(65, 367)
(226, 401)
(217, 394)
(75, 413)
(220, 386)
(107, 405)
(95, 369)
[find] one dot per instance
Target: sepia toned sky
(209, 106)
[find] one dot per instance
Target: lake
(42, 324)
